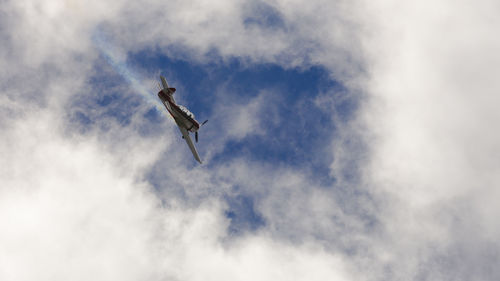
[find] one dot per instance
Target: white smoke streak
(116, 58)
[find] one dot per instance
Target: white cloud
(67, 209)
(435, 138)
(77, 206)
(70, 210)
(200, 255)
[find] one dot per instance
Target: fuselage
(181, 116)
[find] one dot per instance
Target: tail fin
(164, 82)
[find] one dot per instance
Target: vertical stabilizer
(164, 83)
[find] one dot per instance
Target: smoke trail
(116, 58)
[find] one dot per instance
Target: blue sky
(297, 131)
(303, 128)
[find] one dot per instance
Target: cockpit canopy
(185, 110)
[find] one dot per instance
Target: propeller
(196, 133)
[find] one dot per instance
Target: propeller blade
(204, 122)
(196, 136)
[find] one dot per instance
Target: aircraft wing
(186, 136)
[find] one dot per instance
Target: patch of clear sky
(300, 139)
(304, 131)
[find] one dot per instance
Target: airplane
(182, 116)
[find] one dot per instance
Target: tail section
(166, 89)
(164, 82)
